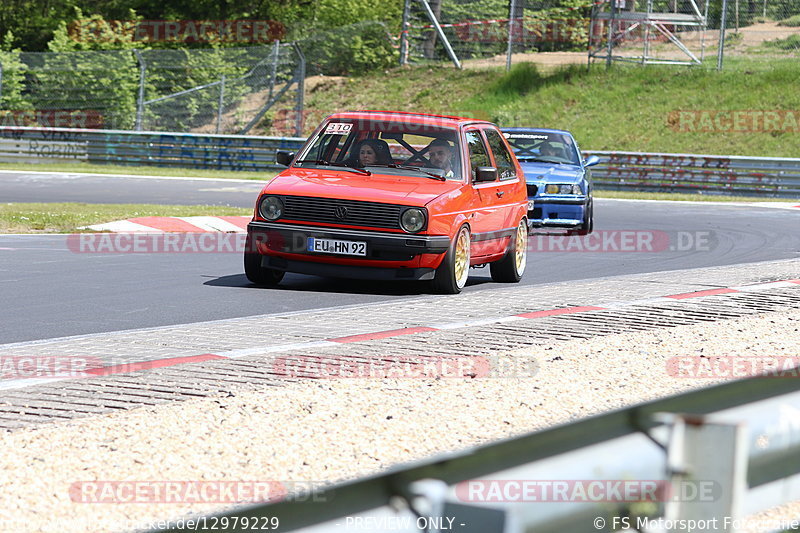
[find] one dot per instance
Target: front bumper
(557, 212)
(389, 255)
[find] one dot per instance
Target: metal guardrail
(181, 150)
(693, 173)
(740, 437)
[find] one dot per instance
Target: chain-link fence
(214, 90)
(190, 90)
(644, 31)
(758, 32)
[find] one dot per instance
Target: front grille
(367, 214)
(532, 190)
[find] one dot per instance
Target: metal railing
(181, 150)
(738, 438)
(692, 173)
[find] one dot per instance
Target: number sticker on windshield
(338, 128)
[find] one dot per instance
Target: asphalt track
(50, 291)
(95, 189)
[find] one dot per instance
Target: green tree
(13, 80)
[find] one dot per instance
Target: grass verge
(68, 217)
(137, 170)
(624, 108)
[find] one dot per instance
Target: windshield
(386, 147)
(543, 147)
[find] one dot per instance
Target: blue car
(559, 180)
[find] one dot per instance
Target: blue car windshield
(543, 147)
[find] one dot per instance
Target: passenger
(374, 152)
(441, 156)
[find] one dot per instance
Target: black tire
(451, 276)
(512, 266)
(588, 221)
(265, 277)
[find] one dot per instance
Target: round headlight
(271, 208)
(412, 220)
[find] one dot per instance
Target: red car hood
(384, 188)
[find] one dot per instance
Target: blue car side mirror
(591, 161)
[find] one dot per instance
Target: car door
(486, 217)
(507, 187)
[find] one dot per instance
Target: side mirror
(591, 161)
(284, 158)
(485, 174)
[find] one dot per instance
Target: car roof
(421, 118)
(535, 130)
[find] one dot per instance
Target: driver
(548, 150)
(441, 156)
(373, 152)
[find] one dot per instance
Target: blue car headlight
(563, 188)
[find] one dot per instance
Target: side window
(478, 157)
(505, 167)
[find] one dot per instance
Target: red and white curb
(386, 334)
(198, 224)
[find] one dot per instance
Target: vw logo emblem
(340, 211)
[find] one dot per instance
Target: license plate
(332, 246)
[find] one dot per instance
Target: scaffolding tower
(613, 31)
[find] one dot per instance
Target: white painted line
(765, 286)
(123, 226)
(214, 224)
(644, 301)
(277, 348)
(774, 205)
(29, 382)
(144, 177)
(475, 323)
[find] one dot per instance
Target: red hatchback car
(393, 196)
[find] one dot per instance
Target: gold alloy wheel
(461, 270)
(522, 245)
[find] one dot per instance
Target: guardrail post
(140, 96)
(707, 464)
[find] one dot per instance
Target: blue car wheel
(587, 226)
